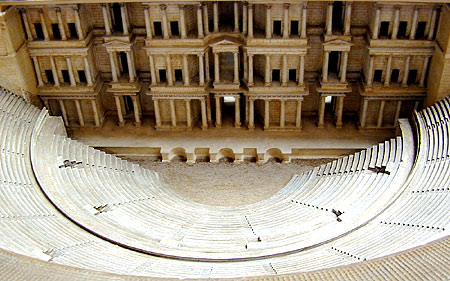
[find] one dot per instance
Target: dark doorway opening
(117, 17)
(402, 29)
(420, 31)
(293, 75)
(333, 62)
(72, 30)
(49, 75)
(277, 27)
(82, 76)
(55, 31)
(178, 75)
(157, 28)
(384, 29)
(337, 15)
(66, 76)
(377, 75)
(275, 75)
(412, 76)
(395, 75)
(174, 28)
(294, 27)
(124, 62)
(162, 75)
(128, 103)
(39, 31)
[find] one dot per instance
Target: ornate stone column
(186, 79)
(236, 68)
(152, 70)
(387, 79)
(321, 112)
(266, 114)
(105, 11)
(329, 28)
(148, 24)
(301, 71)
(216, 16)
(298, 116)
(237, 112)
(201, 70)
(64, 112)
(95, 111)
(216, 68)
(169, 71)
(119, 110)
(376, 27)
(432, 24)
(326, 56)
(44, 25)
(303, 29)
(251, 114)
(80, 113)
(348, 18)
(284, 78)
(364, 113)
(423, 72)
(380, 114)
(250, 69)
(137, 113)
(112, 60)
(172, 112)
(268, 22)
(244, 17)
(412, 34)
(70, 70)
(188, 114)
(54, 71)
(87, 68)
(267, 75)
(200, 22)
(286, 21)
(165, 22)
(339, 109)
(406, 72)
(204, 117)
(370, 71)
(282, 112)
(397, 112)
(182, 21)
(62, 31)
(205, 19)
(37, 69)
(157, 113)
(344, 67)
(396, 23)
(250, 21)
(80, 32)
(236, 16)
(26, 22)
(218, 112)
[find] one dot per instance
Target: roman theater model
(77, 76)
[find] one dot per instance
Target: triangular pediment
(116, 44)
(337, 42)
(227, 41)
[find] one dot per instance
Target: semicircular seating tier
(131, 206)
(384, 207)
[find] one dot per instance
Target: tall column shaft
(172, 112)
(157, 113)
(205, 19)
(169, 71)
(406, 71)
(303, 30)
(119, 110)
(250, 20)
(165, 22)
(148, 23)
(286, 21)
(412, 34)
(204, 116)
(207, 72)
(70, 70)
(201, 70)
(95, 111)
(432, 24)
(105, 11)
(112, 60)
(251, 114)
(380, 114)
(344, 67)
(80, 113)
(182, 22)
(216, 68)
(364, 113)
(186, 71)
(80, 32)
(396, 23)
(137, 114)
(37, 69)
(237, 112)
(284, 81)
(44, 25)
(216, 16)
(26, 22)
(131, 66)
(64, 112)
(376, 27)
(348, 18)
(326, 56)
(387, 79)
(268, 69)
(54, 71)
(87, 68)
(236, 68)
(62, 31)
(266, 114)
(188, 114)
(201, 34)
(250, 70)
(244, 18)
(301, 71)
(236, 16)
(298, 116)
(397, 112)
(339, 109)
(218, 112)
(321, 112)
(329, 27)
(245, 64)
(152, 69)
(268, 22)
(423, 72)
(370, 71)
(282, 113)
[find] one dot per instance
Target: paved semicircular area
(382, 201)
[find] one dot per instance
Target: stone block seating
(83, 214)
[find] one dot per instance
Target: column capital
(269, 6)
(58, 9)
(286, 6)
(41, 11)
(163, 7)
(76, 8)
(181, 7)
